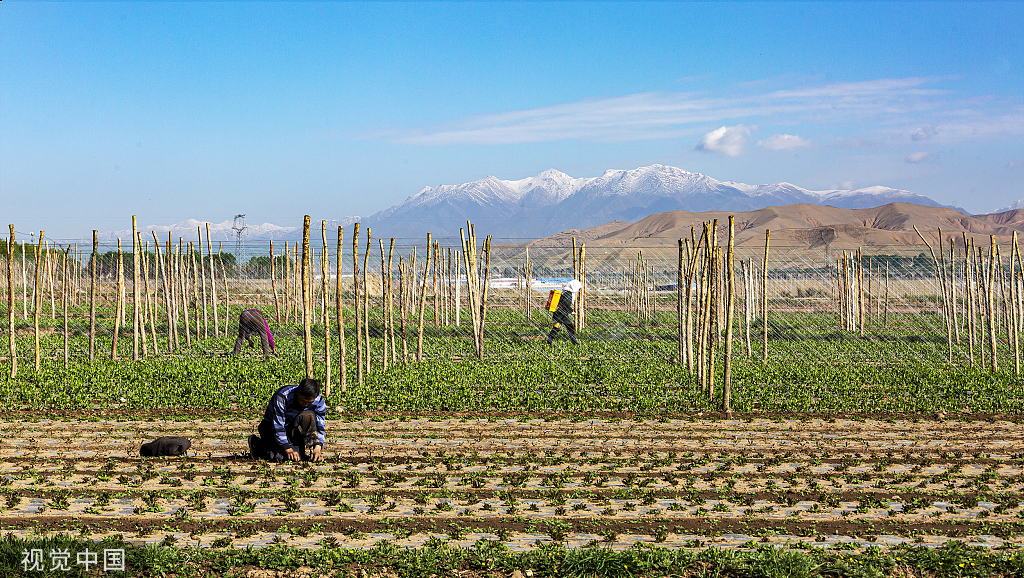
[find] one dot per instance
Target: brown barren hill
(801, 227)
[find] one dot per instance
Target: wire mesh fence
(684, 300)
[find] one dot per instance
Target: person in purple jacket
(249, 322)
(293, 425)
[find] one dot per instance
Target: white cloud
(728, 140)
(924, 133)
(917, 157)
(873, 105)
(783, 142)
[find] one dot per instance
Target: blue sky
(186, 110)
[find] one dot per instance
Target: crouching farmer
(251, 322)
(293, 425)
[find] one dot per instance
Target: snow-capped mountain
(553, 201)
(1018, 204)
(188, 230)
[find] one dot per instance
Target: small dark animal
(165, 446)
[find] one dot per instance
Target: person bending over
(249, 322)
(563, 313)
(293, 425)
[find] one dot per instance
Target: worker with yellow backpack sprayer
(560, 304)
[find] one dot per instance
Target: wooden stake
(307, 337)
(940, 271)
(680, 323)
(151, 305)
(324, 256)
(287, 283)
(202, 279)
(12, 344)
(384, 306)
(764, 296)
(161, 271)
(423, 301)
(391, 300)
(139, 315)
(339, 318)
(990, 292)
(359, 317)
(64, 301)
(119, 309)
(730, 298)
(213, 287)
(366, 296)
(273, 282)
(402, 307)
(196, 306)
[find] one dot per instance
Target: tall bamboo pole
(140, 316)
(423, 301)
(119, 309)
(969, 291)
(93, 264)
(437, 272)
(359, 317)
(990, 292)
(384, 306)
(764, 296)
(181, 258)
(1015, 303)
(227, 288)
(161, 271)
(287, 283)
(680, 323)
(483, 298)
(391, 300)
(339, 318)
(64, 301)
(730, 298)
(716, 273)
(273, 282)
(940, 271)
(582, 293)
(213, 286)
(37, 299)
(13, 348)
(150, 304)
(202, 279)
(954, 304)
(748, 298)
(366, 295)
(860, 289)
(135, 297)
(403, 288)
(307, 336)
(51, 265)
(324, 257)
(196, 305)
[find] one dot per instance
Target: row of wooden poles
(182, 281)
(989, 301)
(180, 276)
(706, 292)
(706, 289)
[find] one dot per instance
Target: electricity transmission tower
(238, 227)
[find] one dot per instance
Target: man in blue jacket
(293, 425)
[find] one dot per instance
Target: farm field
(614, 483)
(867, 438)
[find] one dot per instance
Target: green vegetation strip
(886, 372)
(490, 558)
